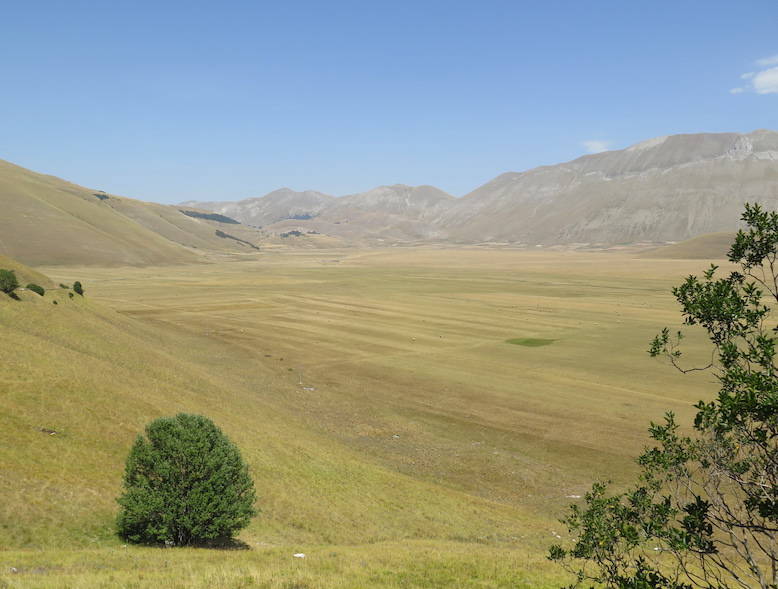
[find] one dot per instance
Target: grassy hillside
(25, 274)
(712, 246)
(46, 220)
(395, 433)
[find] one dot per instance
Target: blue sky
(206, 100)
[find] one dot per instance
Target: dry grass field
(411, 417)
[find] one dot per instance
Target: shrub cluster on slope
(210, 217)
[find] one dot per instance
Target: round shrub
(185, 483)
(77, 288)
(8, 281)
(36, 289)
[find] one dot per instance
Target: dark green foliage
(64, 286)
(8, 281)
(185, 483)
(36, 289)
(70, 294)
(704, 511)
(210, 217)
(223, 235)
(77, 288)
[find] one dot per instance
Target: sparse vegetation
(8, 282)
(223, 235)
(530, 342)
(293, 233)
(185, 484)
(704, 512)
(210, 217)
(36, 289)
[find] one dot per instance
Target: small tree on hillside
(704, 512)
(77, 288)
(8, 281)
(185, 483)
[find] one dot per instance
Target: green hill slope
(711, 246)
(80, 381)
(49, 221)
(24, 274)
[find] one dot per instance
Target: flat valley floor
(412, 417)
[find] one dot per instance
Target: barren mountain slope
(665, 189)
(394, 213)
(275, 206)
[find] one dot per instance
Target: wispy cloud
(767, 61)
(764, 81)
(596, 145)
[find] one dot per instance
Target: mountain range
(662, 190)
(665, 189)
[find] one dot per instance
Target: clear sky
(220, 100)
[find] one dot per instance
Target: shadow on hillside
(231, 544)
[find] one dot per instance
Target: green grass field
(395, 432)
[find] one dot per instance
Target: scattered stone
(46, 430)
(396, 436)
(573, 496)
(299, 555)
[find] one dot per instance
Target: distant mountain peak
(666, 188)
(648, 143)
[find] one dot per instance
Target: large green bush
(8, 281)
(185, 483)
(36, 288)
(77, 288)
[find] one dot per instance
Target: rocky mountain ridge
(667, 188)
